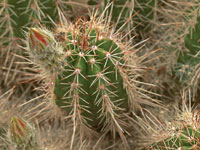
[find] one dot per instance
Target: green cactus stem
(186, 140)
(87, 67)
(91, 77)
(89, 71)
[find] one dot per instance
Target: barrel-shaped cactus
(89, 68)
(90, 71)
(92, 77)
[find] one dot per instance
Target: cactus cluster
(15, 17)
(83, 81)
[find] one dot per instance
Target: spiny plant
(18, 15)
(129, 13)
(188, 61)
(14, 15)
(8, 108)
(177, 24)
(183, 135)
(176, 127)
(89, 71)
(2, 138)
(22, 134)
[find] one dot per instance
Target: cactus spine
(192, 44)
(91, 79)
(18, 15)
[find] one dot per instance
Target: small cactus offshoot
(22, 135)
(180, 133)
(186, 139)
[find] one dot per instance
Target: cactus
(94, 77)
(192, 44)
(22, 134)
(187, 67)
(15, 17)
(186, 139)
(176, 128)
(23, 14)
(2, 139)
(128, 13)
(90, 72)
(184, 134)
(178, 29)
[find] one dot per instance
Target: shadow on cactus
(90, 72)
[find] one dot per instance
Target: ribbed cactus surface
(88, 70)
(91, 77)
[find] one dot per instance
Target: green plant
(126, 14)
(88, 68)
(187, 68)
(22, 134)
(89, 71)
(183, 134)
(18, 15)
(92, 79)
(141, 13)
(186, 139)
